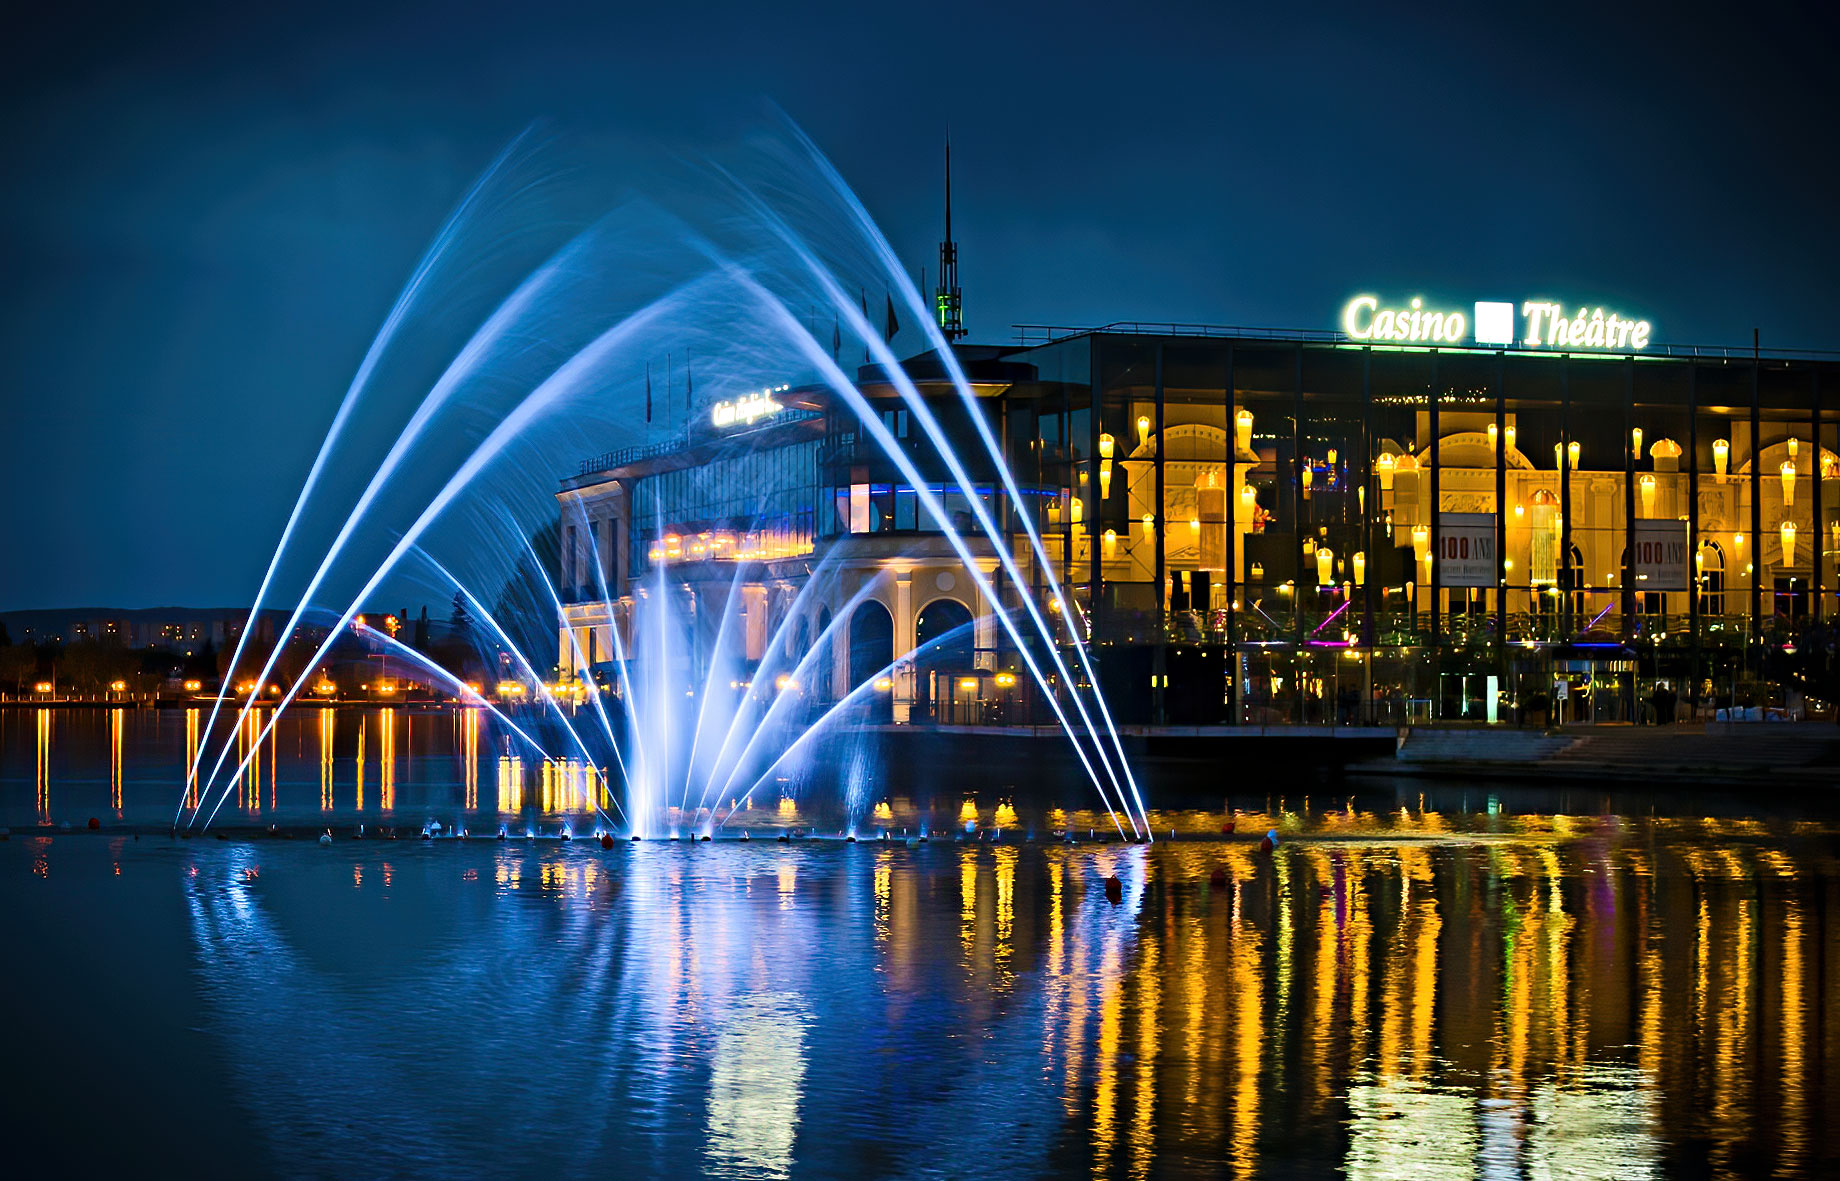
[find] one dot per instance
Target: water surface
(1452, 983)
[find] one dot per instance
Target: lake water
(1471, 981)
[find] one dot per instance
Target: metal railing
(607, 461)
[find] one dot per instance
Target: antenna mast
(946, 298)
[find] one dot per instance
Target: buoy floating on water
(1114, 890)
(325, 838)
(606, 840)
(94, 823)
(1218, 880)
(1269, 841)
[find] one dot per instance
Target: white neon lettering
(1547, 325)
(1351, 317)
(748, 408)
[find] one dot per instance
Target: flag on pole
(892, 325)
(863, 298)
(836, 336)
(648, 391)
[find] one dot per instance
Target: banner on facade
(1466, 549)
(1662, 556)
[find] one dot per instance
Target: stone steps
(1480, 745)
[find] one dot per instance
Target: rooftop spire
(946, 298)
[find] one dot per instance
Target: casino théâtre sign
(1542, 324)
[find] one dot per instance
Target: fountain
(686, 723)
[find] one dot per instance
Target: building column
(984, 626)
(904, 684)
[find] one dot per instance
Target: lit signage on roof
(1542, 324)
(1365, 319)
(747, 409)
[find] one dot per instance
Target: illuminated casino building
(1518, 509)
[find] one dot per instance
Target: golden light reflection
(1004, 953)
(191, 756)
(1794, 1024)
(42, 769)
(510, 783)
(359, 765)
(386, 759)
(967, 904)
(116, 724)
(469, 757)
(884, 893)
(325, 759)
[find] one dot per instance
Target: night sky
(209, 209)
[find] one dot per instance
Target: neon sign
(1365, 319)
(747, 409)
(1542, 324)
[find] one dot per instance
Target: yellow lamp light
(1571, 450)
(1258, 571)
(1248, 497)
(1787, 474)
(1787, 532)
(1795, 446)
(1494, 431)
(1332, 454)
(1384, 467)
(1149, 524)
(1105, 445)
(1325, 564)
(1421, 540)
(1079, 510)
(1111, 542)
(1510, 438)
(1558, 526)
(1360, 567)
(1721, 455)
(1737, 541)
(1635, 441)
(1242, 429)
(1306, 479)
(1143, 429)
(1647, 486)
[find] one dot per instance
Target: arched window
(1711, 575)
(942, 636)
(871, 652)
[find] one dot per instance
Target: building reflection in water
(1591, 997)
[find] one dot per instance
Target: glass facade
(1309, 532)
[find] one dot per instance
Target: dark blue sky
(209, 209)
